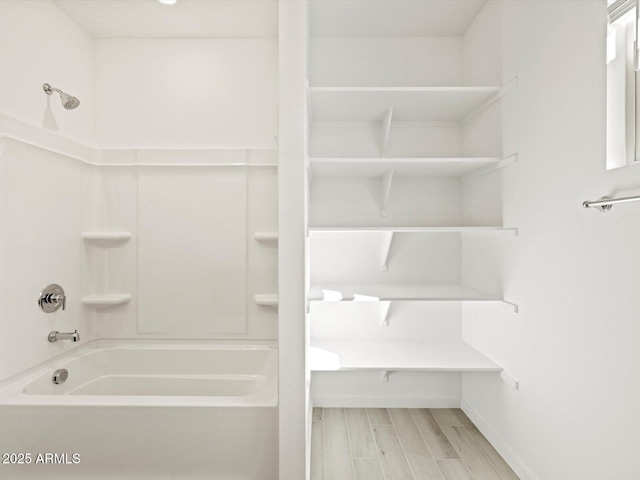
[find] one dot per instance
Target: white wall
(40, 44)
(186, 93)
(41, 196)
(292, 390)
(574, 272)
(40, 245)
(410, 61)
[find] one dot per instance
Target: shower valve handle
(51, 298)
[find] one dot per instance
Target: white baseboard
(505, 452)
(383, 402)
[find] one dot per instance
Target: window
(622, 84)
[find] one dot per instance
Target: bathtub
(147, 409)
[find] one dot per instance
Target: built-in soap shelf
(107, 300)
(266, 236)
(266, 299)
(106, 238)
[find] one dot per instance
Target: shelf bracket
(385, 376)
(386, 129)
(387, 180)
(307, 163)
(512, 382)
(513, 83)
(308, 98)
(387, 240)
(512, 306)
(505, 162)
(385, 307)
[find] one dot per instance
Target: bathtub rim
(12, 388)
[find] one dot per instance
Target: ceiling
(259, 18)
(185, 19)
(392, 18)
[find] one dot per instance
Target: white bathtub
(153, 373)
(147, 409)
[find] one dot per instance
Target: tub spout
(55, 336)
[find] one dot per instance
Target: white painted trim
(501, 447)
(337, 401)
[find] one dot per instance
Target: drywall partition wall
(40, 245)
(186, 93)
(574, 345)
(292, 109)
(39, 44)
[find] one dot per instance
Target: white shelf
(402, 293)
(106, 300)
(106, 237)
(266, 236)
(453, 229)
(267, 299)
(410, 167)
(398, 356)
(409, 103)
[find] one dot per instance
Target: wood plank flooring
(401, 444)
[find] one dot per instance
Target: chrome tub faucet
(55, 336)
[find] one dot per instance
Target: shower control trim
(51, 298)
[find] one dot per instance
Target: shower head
(68, 102)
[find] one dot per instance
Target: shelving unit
(402, 293)
(407, 127)
(398, 356)
(378, 167)
(396, 292)
(453, 104)
(493, 230)
(100, 301)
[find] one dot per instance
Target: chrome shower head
(68, 102)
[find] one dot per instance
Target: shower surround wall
(182, 102)
(216, 100)
(41, 201)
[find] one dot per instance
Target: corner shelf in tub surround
(457, 356)
(106, 237)
(266, 236)
(266, 299)
(106, 300)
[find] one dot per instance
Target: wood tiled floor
(401, 444)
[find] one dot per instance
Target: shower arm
(48, 89)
